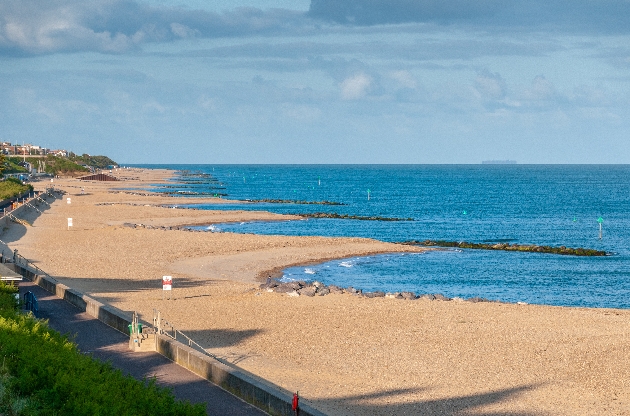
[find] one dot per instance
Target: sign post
(68, 200)
(167, 284)
(69, 223)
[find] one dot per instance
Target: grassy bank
(13, 187)
(43, 373)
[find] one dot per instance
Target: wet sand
(347, 355)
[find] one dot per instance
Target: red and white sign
(167, 282)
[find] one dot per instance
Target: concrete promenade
(106, 344)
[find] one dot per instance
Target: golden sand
(346, 355)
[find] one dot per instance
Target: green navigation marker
(600, 220)
(368, 194)
(464, 212)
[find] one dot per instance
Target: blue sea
(556, 205)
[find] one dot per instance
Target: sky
(319, 81)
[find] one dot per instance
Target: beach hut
(98, 177)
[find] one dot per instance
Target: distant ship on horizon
(499, 162)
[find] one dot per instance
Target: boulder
(336, 290)
(477, 299)
(269, 284)
(285, 288)
(408, 295)
(307, 291)
(323, 291)
(439, 296)
(427, 296)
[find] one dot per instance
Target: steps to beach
(143, 341)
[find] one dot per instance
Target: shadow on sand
(221, 338)
(459, 405)
(14, 231)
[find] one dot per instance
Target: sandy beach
(347, 355)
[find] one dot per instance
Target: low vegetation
(62, 166)
(12, 187)
(43, 373)
(99, 162)
(11, 165)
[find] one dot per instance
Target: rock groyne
(532, 248)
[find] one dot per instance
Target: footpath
(107, 344)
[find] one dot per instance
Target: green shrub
(100, 162)
(12, 187)
(63, 166)
(8, 301)
(43, 373)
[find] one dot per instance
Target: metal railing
(23, 262)
(37, 196)
(30, 303)
(160, 323)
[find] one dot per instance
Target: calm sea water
(526, 204)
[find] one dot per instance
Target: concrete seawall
(262, 394)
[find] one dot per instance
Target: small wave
(309, 271)
(212, 228)
(346, 264)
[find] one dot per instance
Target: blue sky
(319, 81)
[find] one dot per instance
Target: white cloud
(37, 27)
(490, 85)
(541, 89)
(404, 78)
(184, 31)
(356, 86)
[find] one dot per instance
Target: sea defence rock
(562, 250)
(291, 201)
(311, 289)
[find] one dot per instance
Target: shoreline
(347, 355)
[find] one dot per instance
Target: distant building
(60, 153)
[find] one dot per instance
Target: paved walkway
(106, 344)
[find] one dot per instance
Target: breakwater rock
(292, 201)
(311, 289)
(350, 217)
(191, 193)
(562, 250)
(168, 228)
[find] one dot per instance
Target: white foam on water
(346, 264)
(309, 271)
(212, 228)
